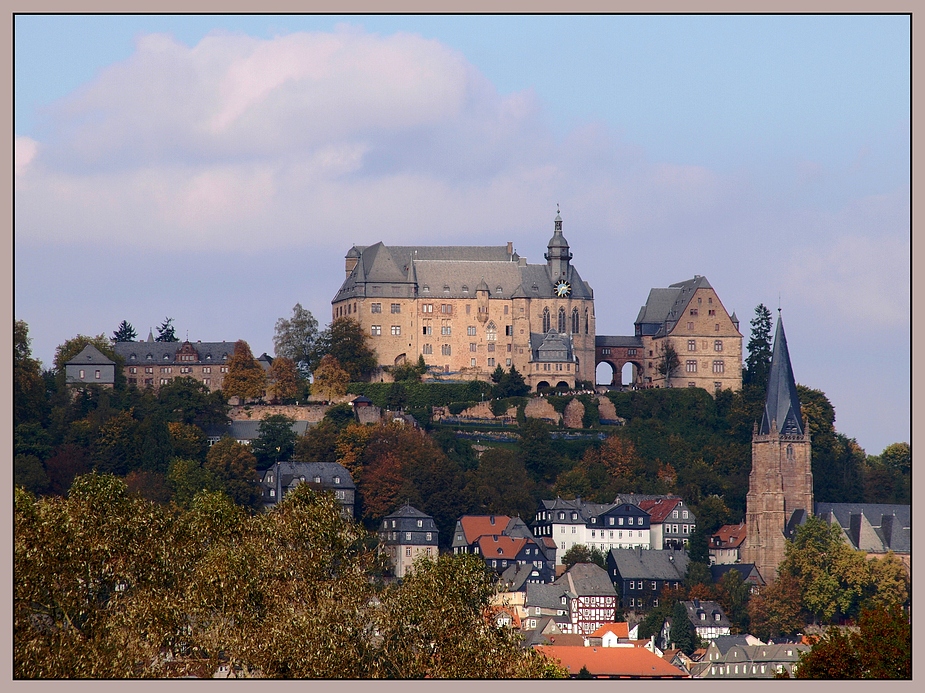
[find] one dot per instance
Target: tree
(509, 383)
(682, 632)
(409, 372)
(732, 592)
(345, 340)
(880, 649)
(539, 458)
(777, 610)
(500, 485)
(275, 440)
(236, 468)
(330, 379)
(28, 386)
(245, 378)
(581, 554)
(758, 363)
(668, 362)
(188, 401)
(284, 380)
(295, 339)
(29, 473)
(188, 477)
(124, 333)
(166, 332)
(65, 352)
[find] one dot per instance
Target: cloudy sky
(216, 170)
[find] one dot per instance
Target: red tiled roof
(623, 662)
(621, 630)
(730, 536)
(475, 526)
(659, 509)
(566, 640)
(497, 546)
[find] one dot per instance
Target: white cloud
(25, 149)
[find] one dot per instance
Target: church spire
(558, 254)
(782, 405)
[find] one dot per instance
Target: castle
(469, 309)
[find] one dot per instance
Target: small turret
(557, 253)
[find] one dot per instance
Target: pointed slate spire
(782, 405)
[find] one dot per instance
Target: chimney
(510, 247)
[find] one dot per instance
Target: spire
(150, 335)
(782, 405)
(558, 254)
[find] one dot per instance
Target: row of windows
(181, 357)
(690, 366)
(692, 345)
(97, 375)
(167, 369)
(561, 323)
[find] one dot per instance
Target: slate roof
(328, 472)
(458, 269)
(710, 609)
(782, 404)
(664, 307)
(617, 341)
(546, 596)
(659, 509)
(551, 347)
(632, 662)
(668, 564)
(872, 527)
(587, 580)
(744, 569)
(90, 356)
(724, 642)
(515, 576)
(165, 352)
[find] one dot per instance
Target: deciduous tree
(234, 465)
(345, 340)
(295, 339)
(28, 386)
(284, 380)
(245, 378)
(330, 379)
(275, 440)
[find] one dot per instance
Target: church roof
(782, 404)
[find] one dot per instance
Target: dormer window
(132, 357)
(148, 357)
(465, 289)
(446, 288)
(317, 479)
(499, 290)
(425, 289)
(224, 357)
(166, 357)
(208, 357)
(420, 523)
(336, 479)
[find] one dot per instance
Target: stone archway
(610, 373)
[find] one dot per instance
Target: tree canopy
(295, 339)
(124, 333)
(245, 377)
(758, 362)
(166, 332)
(345, 340)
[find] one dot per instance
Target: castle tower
(558, 254)
(780, 486)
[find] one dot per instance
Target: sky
(216, 169)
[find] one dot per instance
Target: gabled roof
(90, 356)
(407, 512)
(728, 536)
(546, 596)
(664, 307)
(659, 509)
(630, 662)
(633, 564)
(871, 527)
(332, 474)
(475, 526)
(711, 610)
(621, 630)
(498, 546)
(724, 642)
(587, 580)
(782, 405)
(746, 570)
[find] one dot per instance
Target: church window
(586, 322)
(546, 320)
(719, 367)
(396, 307)
(789, 452)
(375, 330)
(690, 366)
(375, 307)
(692, 345)
(561, 320)
(575, 326)
(718, 345)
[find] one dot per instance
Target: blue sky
(216, 169)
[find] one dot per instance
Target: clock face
(563, 288)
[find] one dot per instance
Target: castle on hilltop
(469, 309)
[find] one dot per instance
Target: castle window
(491, 332)
(427, 307)
(719, 367)
(396, 330)
(427, 349)
(605, 351)
(509, 331)
(711, 312)
(630, 352)
(586, 322)
(690, 366)
(446, 308)
(690, 326)
(491, 362)
(716, 327)
(472, 346)
(472, 362)
(693, 311)
(561, 320)
(692, 345)
(505, 309)
(718, 345)
(427, 328)
(507, 362)
(491, 346)
(446, 350)
(446, 328)
(396, 307)
(375, 330)
(789, 452)
(470, 330)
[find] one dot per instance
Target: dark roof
(872, 527)
(782, 405)
(332, 475)
(90, 356)
(724, 642)
(547, 596)
(635, 563)
(587, 580)
(744, 569)
(664, 307)
(617, 341)
(710, 609)
(209, 352)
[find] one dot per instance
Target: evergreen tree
(124, 333)
(275, 440)
(758, 363)
(682, 633)
(166, 332)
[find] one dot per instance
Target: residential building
(708, 618)
(640, 576)
(748, 571)
(90, 367)
(468, 309)
(584, 596)
(875, 528)
(600, 525)
(153, 364)
(671, 521)
(734, 660)
(726, 544)
(407, 535)
(613, 662)
(283, 477)
(247, 431)
(611, 635)
(688, 318)
(780, 485)
(508, 547)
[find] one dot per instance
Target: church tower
(558, 254)
(780, 486)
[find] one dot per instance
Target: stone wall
(574, 412)
(539, 408)
(256, 412)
